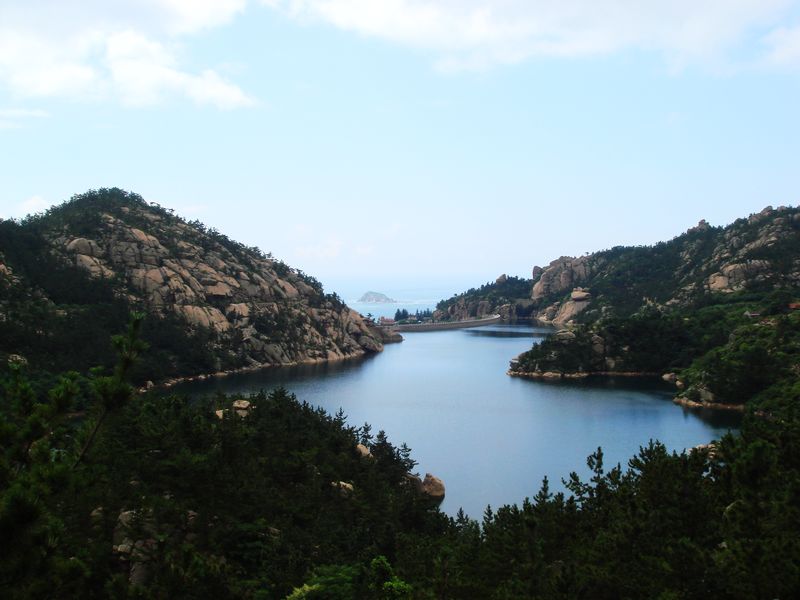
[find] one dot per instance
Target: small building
(794, 306)
(751, 315)
(386, 321)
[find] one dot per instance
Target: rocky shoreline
(684, 401)
(553, 375)
(173, 381)
(259, 310)
(679, 400)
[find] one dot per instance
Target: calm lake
(490, 437)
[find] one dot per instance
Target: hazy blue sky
(389, 144)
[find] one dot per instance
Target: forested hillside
(110, 492)
(152, 496)
(757, 253)
(70, 277)
(714, 311)
(506, 296)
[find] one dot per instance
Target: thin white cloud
(784, 45)
(34, 66)
(124, 50)
(130, 50)
(14, 118)
(22, 113)
(194, 15)
(29, 206)
(482, 33)
(144, 72)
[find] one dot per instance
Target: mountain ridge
(749, 253)
(713, 311)
(253, 310)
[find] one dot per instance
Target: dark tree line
(151, 496)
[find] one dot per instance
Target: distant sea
(412, 300)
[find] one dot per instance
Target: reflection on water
(655, 387)
(496, 331)
(490, 437)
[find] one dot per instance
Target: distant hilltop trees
(402, 315)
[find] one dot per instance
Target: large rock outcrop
(260, 311)
(562, 275)
(433, 487)
(562, 313)
(759, 251)
(508, 296)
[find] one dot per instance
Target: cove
(490, 437)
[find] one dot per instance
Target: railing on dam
(441, 326)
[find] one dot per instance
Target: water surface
(490, 437)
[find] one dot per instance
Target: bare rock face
(242, 407)
(580, 295)
(706, 395)
(561, 313)
(345, 488)
(733, 277)
(465, 309)
(84, 246)
(761, 250)
(363, 451)
(135, 554)
(261, 311)
(562, 275)
(204, 316)
(93, 265)
(433, 486)
(564, 335)
(568, 311)
(747, 250)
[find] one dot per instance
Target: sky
(406, 145)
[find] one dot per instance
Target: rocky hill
(759, 252)
(506, 296)
(714, 311)
(246, 308)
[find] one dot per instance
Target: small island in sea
(376, 298)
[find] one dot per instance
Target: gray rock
(345, 488)
(564, 335)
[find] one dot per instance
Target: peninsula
(714, 311)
